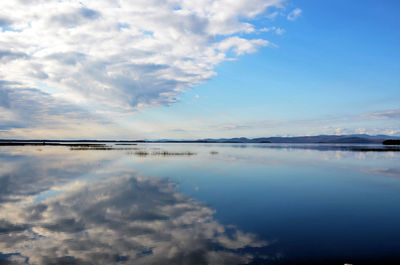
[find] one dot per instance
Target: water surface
(199, 204)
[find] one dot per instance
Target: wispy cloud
(388, 114)
(30, 111)
(278, 31)
(294, 14)
(369, 123)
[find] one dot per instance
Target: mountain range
(324, 139)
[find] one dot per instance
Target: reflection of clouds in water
(356, 155)
(390, 172)
(123, 219)
(31, 173)
(361, 156)
(92, 218)
(389, 154)
(341, 155)
(338, 155)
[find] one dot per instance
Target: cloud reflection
(127, 218)
(24, 173)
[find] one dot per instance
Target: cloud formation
(121, 55)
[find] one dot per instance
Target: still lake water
(199, 204)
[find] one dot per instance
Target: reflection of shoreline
(287, 146)
(126, 218)
(333, 147)
(51, 144)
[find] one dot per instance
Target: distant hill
(328, 139)
(391, 142)
(358, 140)
(323, 139)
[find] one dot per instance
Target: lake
(171, 203)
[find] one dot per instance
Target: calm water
(199, 204)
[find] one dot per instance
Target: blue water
(222, 204)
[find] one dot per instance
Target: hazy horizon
(381, 136)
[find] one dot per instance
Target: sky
(183, 69)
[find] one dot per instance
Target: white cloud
(294, 14)
(240, 45)
(278, 31)
(163, 47)
(272, 15)
(388, 114)
(121, 56)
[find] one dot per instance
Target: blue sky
(339, 62)
(255, 68)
